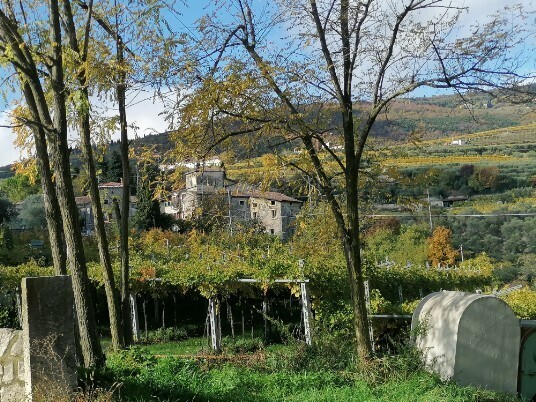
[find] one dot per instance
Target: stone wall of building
(12, 376)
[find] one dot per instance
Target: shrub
(163, 335)
(329, 351)
(523, 302)
(242, 345)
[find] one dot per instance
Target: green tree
(18, 187)
(147, 208)
(6, 238)
(485, 178)
(32, 212)
(351, 59)
(102, 169)
(115, 169)
(8, 210)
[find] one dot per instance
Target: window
(105, 201)
(274, 213)
(254, 205)
(241, 202)
(272, 231)
(272, 202)
(254, 215)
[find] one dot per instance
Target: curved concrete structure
(472, 339)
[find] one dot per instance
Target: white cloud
(142, 113)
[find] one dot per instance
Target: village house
(109, 192)
(85, 214)
(209, 188)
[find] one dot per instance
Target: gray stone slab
(48, 335)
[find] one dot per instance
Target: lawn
(185, 371)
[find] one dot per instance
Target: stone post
(48, 337)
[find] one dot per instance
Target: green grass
(187, 347)
(144, 377)
(183, 380)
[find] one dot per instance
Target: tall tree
(351, 59)
(131, 21)
(147, 208)
(51, 119)
(121, 88)
(115, 169)
(82, 107)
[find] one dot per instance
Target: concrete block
(471, 339)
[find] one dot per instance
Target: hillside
(422, 119)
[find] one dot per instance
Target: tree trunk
(351, 239)
(112, 294)
(89, 341)
(125, 202)
(52, 207)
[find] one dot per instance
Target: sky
(145, 114)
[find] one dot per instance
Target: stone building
(85, 214)
(108, 193)
(209, 189)
(276, 212)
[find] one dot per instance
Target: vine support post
(214, 323)
(135, 319)
(265, 316)
(367, 302)
(307, 313)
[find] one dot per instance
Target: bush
(163, 335)
(523, 302)
(329, 351)
(8, 311)
(242, 345)
(507, 273)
